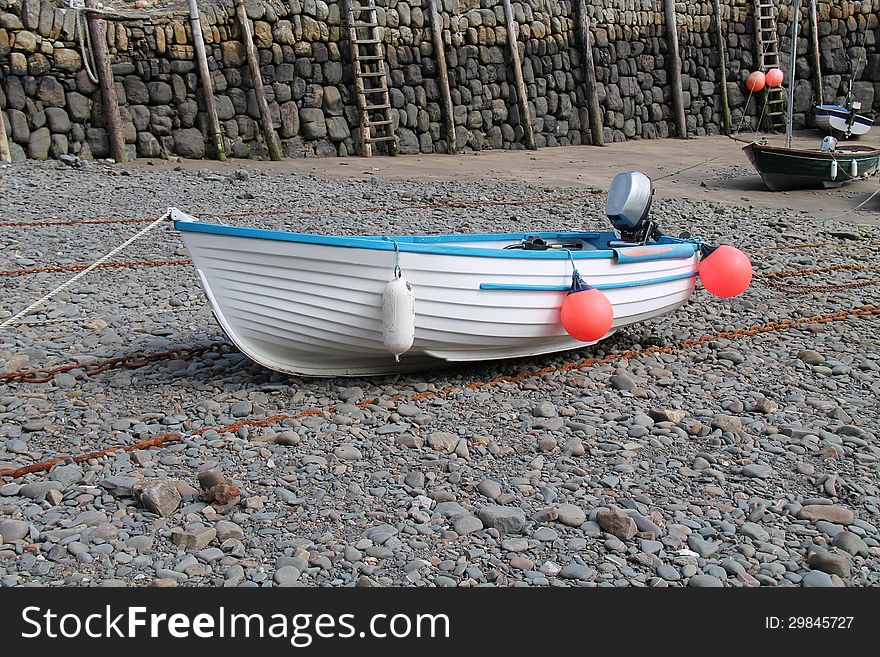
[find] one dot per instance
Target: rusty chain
(775, 279)
(103, 265)
(128, 361)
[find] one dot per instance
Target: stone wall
(51, 105)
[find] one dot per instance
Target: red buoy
(755, 82)
(726, 271)
(774, 77)
(586, 314)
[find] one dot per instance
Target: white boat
(843, 121)
(313, 304)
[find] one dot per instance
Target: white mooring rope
(39, 302)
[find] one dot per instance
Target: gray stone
(755, 532)
(51, 92)
(189, 143)
(337, 128)
(158, 496)
(14, 530)
(577, 571)
(286, 575)
(571, 515)
(37, 489)
(160, 93)
(701, 546)
(832, 562)
(408, 143)
(289, 120)
(39, 143)
(817, 579)
(443, 441)
(348, 452)
(467, 524)
(312, 123)
(705, 582)
(616, 522)
(507, 520)
(545, 409)
(194, 539)
(58, 120)
(811, 357)
(851, 543)
(668, 573)
(120, 485)
(67, 475)
(757, 471)
(623, 381)
(78, 106)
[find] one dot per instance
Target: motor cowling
(829, 144)
(628, 205)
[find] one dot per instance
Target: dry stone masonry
(51, 104)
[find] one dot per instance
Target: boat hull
(789, 168)
(837, 121)
(316, 308)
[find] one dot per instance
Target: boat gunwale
(435, 244)
(858, 150)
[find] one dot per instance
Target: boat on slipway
(801, 168)
(319, 305)
(828, 167)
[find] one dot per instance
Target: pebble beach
(653, 459)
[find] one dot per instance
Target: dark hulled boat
(794, 168)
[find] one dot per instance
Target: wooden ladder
(768, 57)
(371, 82)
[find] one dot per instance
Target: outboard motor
(628, 205)
(829, 144)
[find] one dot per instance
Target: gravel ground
(749, 462)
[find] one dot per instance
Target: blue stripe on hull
(599, 286)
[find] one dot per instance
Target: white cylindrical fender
(833, 169)
(398, 316)
(854, 168)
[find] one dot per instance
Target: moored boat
(790, 168)
(317, 304)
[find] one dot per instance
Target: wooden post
(440, 55)
(722, 67)
(205, 76)
(524, 113)
(5, 154)
(675, 68)
(817, 66)
(98, 32)
(589, 66)
(269, 133)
